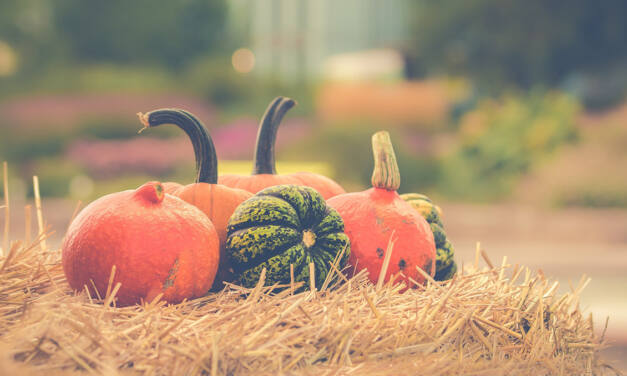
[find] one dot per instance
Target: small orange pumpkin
(372, 216)
(217, 201)
(158, 244)
(264, 170)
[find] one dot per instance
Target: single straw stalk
(7, 211)
(40, 217)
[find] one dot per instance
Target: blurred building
(292, 39)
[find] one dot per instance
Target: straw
(7, 212)
(27, 223)
(361, 329)
(40, 217)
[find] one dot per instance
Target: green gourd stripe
(254, 245)
(386, 174)
(302, 274)
(438, 234)
(261, 211)
(445, 270)
(277, 267)
(307, 203)
(445, 262)
(331, 223)
(335, 242)
(321, 266)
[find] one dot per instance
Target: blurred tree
(27, 27)
(521, 43)
(163, 32)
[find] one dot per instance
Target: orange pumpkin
(158, 244)
(217, 201)
(264, 170)
(372, 216)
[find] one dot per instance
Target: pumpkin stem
(204, 150)
(263, 161)
(386, 174)
(151, 191)
(309, 238)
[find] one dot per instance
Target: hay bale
(503, 320)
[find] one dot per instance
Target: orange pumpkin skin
(370, 217)
(264, 173)
(373, 216)
(218, 202)
(171, 187)
(157, 242)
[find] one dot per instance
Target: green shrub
(501, 139)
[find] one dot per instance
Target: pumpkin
(264, 170)
(371, 218)
(158, 244)
(445, 266)
(217, 201)
(281, 226)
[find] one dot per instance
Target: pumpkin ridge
(251, 276)
(303, 271)
(296, 209)
(314, 250)
(242, 263)
(254, 212)
(312, 203)
(331, 222)
(301, 212)
(308, 213)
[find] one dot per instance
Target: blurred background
(511, 115)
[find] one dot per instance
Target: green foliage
(27, 26)
(500, 140)
(500, 42)
(168, 32)
(26, 145)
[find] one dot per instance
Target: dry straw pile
(491, 321)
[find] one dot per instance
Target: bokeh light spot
(243, 60)
(81, 186)
(8, 60)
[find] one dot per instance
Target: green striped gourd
(283, 225)
(445, 266)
